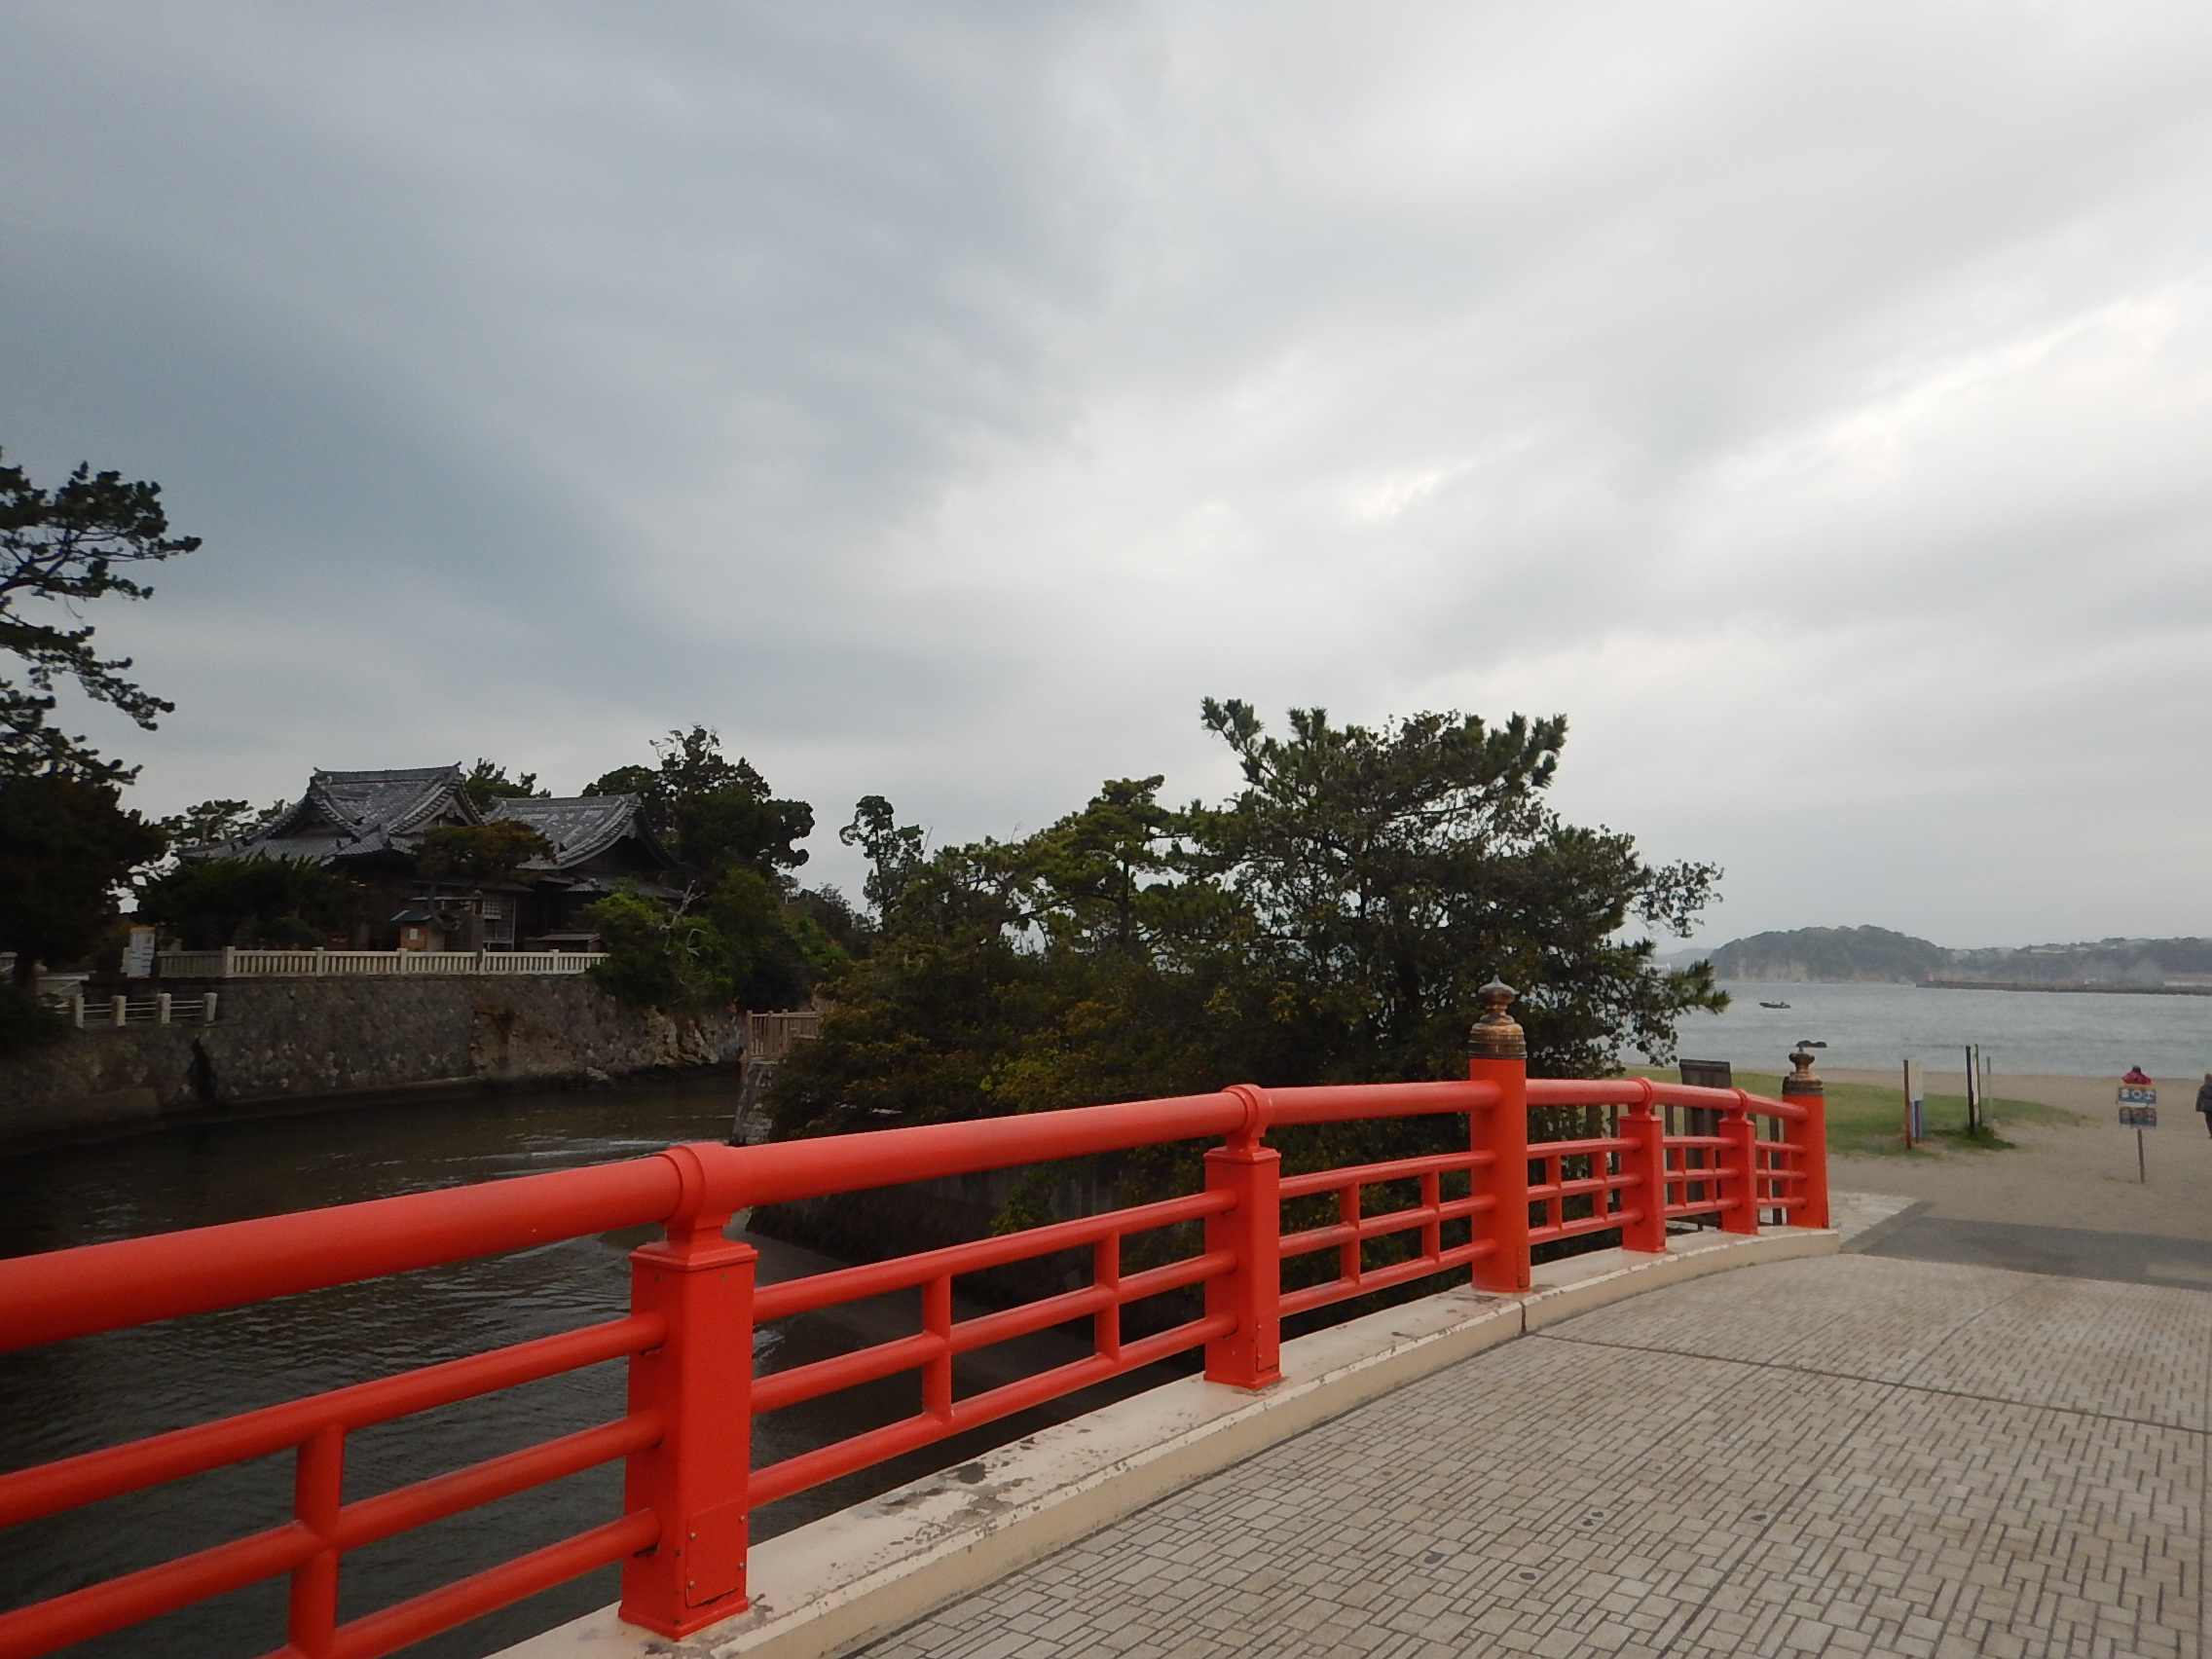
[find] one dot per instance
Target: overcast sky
(1813, 402)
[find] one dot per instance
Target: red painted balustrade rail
(686, 1433)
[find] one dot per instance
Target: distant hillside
(2107, 962)
(1879, 956)
(1831, 956)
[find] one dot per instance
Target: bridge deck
(1846, 1456)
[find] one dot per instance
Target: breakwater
(2092, 988)
(297, 1039)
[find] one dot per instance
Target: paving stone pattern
(1849, 1456)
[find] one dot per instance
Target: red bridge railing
(686, 1433)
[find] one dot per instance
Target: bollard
(1648, 1162)
(1498, 1052)
(700, 1383)
(1808, 1141)
(1250, 1356)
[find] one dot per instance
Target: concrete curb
(832, 1586)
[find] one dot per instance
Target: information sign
(138, 954)
(2139, 1110)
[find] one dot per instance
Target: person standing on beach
(2136, 1076)
(2204, 1099)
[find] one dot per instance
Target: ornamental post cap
(1497, 1035)
(1803, 1080)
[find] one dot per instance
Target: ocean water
(1873, 1027)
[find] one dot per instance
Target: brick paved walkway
(1846, 1455)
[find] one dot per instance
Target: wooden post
(1498, 1053)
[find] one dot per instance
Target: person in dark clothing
(2204, 1099)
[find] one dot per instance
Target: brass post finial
(1497, 1035)
(1803, 1080)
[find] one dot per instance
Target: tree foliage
(716, 814)
(281, 904)
(1332, 922)
(487, 783)
(212, 822)
(744, 944)
(472, 854)
(59, 549)
(67, 844)
(744, 935)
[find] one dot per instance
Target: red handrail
(686, 1431)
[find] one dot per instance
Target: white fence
(233, 963)
(162, 1009)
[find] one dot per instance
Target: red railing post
(1498, 1052)
(1648, 1162)
(1809, 1141)
(1740, 1170)
(1250, 1356)
(700, 1383)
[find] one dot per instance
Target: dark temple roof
(579, 826)
(349, 814)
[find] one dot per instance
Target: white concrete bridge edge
(841, 1582)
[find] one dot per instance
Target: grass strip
(1869, 1119)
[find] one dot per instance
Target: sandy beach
(2058, 1175)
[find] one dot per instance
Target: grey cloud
(1806, 400)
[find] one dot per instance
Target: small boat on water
(1773, 1005)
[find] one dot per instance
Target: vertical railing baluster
(1498, 1052)
(936, 1374)
(1251, 1355)
(1433, 1230)
(319, 1487)
(1348, 1215)
(1740, 1176)
(1106, 1274)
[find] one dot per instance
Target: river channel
(76, 1396)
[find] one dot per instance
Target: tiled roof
(346, 814)
(579, 826)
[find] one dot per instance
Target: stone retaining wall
(277, 1039)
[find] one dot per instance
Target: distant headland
(1868, 955)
